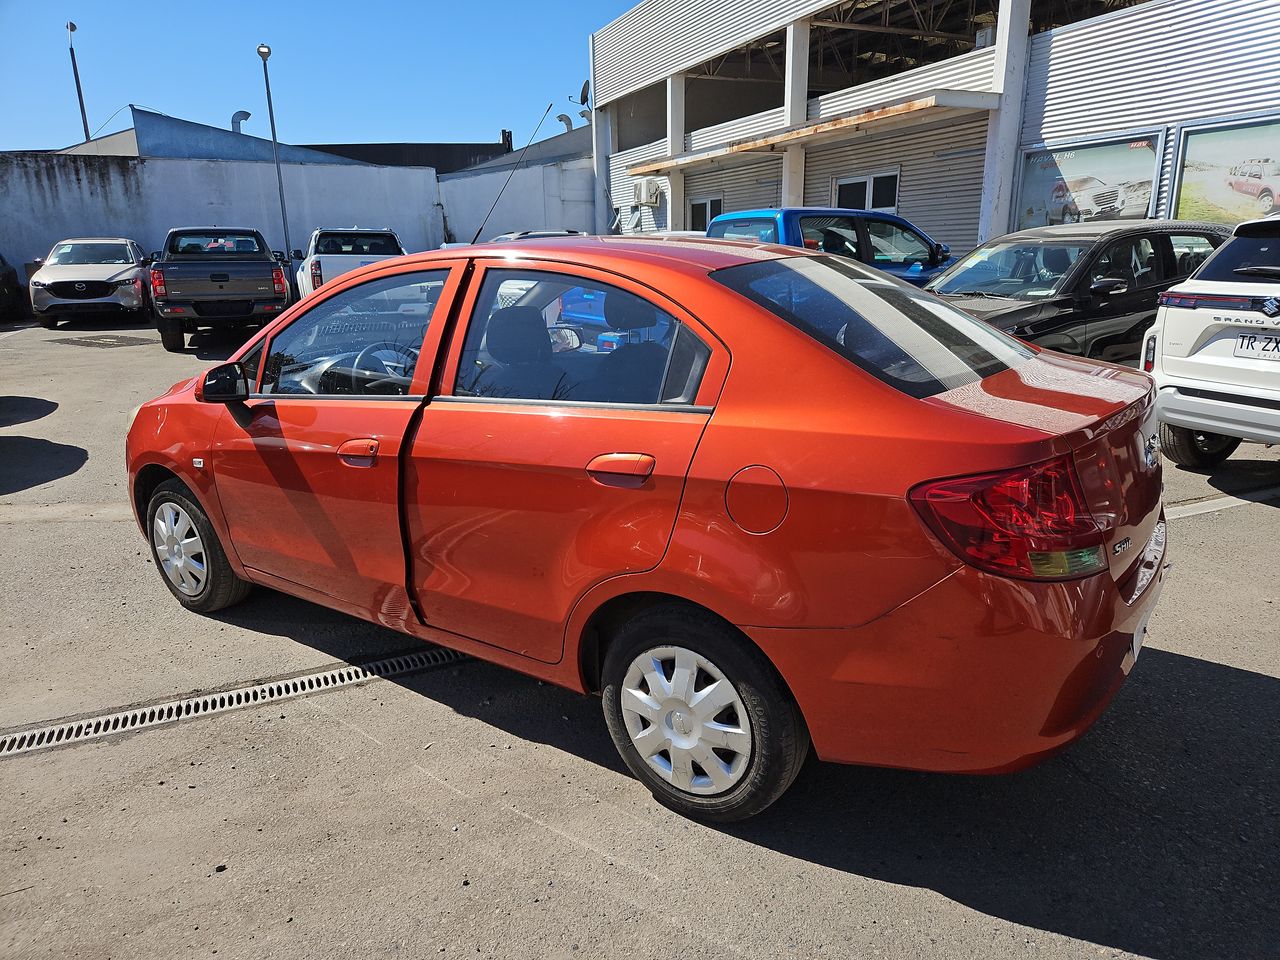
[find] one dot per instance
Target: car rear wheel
(700, 716)
(1195, 448)
(1266, 203)
(187, 552)
(172, 337)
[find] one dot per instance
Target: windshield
(1252, 258)
(900, 335)
(1018, 270)
(206, 243)
(81, 253)
(358, 244)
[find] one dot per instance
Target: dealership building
(968, 117)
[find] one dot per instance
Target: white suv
(1214, 350)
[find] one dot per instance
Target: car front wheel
(1195, 448)
(700, 716)
(1266, 203)
(47, 320)
(187, 552)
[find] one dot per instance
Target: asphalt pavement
(468, 810)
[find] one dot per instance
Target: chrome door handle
(621, 469)
(359, 453)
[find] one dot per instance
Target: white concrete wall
(47, 197)
(551, 196)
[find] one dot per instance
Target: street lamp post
(75, 70)
(264, 52)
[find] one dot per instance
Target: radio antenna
(519, 160)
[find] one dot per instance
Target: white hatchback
(1214, 350)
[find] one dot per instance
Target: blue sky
(381, 70)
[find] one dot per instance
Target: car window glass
(1251, 256)
(537, 335)
(838, 235)
(83, 253)
(228, 244)
(1132, 260)
(756, 229)
(891, 243)
(364, 340)
(1021, 271)
(1189, 251)
(357, 244)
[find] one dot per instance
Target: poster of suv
(1105, 181)
(1229, 174)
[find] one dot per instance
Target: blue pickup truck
(886, 242)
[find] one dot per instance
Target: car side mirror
(38, 261)
(153, 256)
(225, 383)
(1109, 287)
(279, 255)
(940, 252)
(296, 254)
(565, 339)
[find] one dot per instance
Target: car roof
(690, 255)
(353, 230)
(1098, 229)
(199, 229)
(95, 240)
(804, 211)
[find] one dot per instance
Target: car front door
(1119, 290)
(896, 249)
(307, 471)
(546, 466)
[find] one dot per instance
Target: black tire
(779, 738)
(221, 587)
(47, 320)
(173, 339)
(1195, 448)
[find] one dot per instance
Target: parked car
(89, 275)
(886, 242)
(331, 252)
(935, 548)
(1259, 179)
(215, 277)
(1088, 289)
(1215, 351)
(11, 302)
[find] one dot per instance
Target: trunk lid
(223, 280)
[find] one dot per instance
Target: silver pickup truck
(215, 277)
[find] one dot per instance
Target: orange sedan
(756, 498)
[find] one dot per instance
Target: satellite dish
(582, 97)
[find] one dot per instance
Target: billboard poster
(1105, 181)
(1229, 174)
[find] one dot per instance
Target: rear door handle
(621, 469)
(359, 453)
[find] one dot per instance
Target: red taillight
(277, 279)
(317, 278)
(1191, 301)
(1149, 355)
(1031, 522)
(157, 283)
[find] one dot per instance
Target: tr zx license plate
(1258, 346)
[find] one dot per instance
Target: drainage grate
(107, 340)
(237, 698)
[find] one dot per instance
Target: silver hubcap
(686, 720)
(179, 549)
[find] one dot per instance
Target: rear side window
(213, 243)
(755, 229)
(1251, 256)
(897, 333)
(358, 244)
(1189, 251)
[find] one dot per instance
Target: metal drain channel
(237, 698)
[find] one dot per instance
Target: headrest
(625, 311)
(518, 335)
(1056, 259)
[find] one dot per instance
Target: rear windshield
(1252, 256)
(358, 244)
(212, 243)
(909, 339)
(756, 229)
(80, 253)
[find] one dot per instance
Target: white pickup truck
(334, 251)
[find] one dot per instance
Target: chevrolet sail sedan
(797, 503)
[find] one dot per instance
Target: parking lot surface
(468, 810)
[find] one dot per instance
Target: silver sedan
(89, 275)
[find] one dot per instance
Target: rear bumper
(211, 313)
(1251, 417)
(977, 674)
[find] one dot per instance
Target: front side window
(537, 335)
(363, 341)
(892, 244)
(1019, 271)
(65, 254)
(910, 340)
(1132, 260)
(838, 235)
(219, 244)
(755, 229)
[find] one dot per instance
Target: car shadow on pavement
(1238, 477)
(97, 323)
(219, 344)
(29, 462)
(15, 410)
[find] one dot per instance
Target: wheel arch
(148, 478)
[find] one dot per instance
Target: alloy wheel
(686, 720)
(179, 549)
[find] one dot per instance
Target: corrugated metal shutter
(745, 187)
(970, 71)
(660, 37)
(939, 179)
(1164, 62)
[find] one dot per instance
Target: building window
(875, 191)
(702, 212)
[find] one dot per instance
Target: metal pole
(275, 151)
(75, 70)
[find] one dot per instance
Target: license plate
(1258, 346)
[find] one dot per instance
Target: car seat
(517, 338)
(632, 373)
(246, 246)
(1056, 260)
(329, 246)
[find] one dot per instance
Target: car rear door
(307, 471)
(535, 474)
(1115, 322)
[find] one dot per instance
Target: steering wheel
(391, 362)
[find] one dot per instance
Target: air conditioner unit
(647, 192)
(985, 37)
